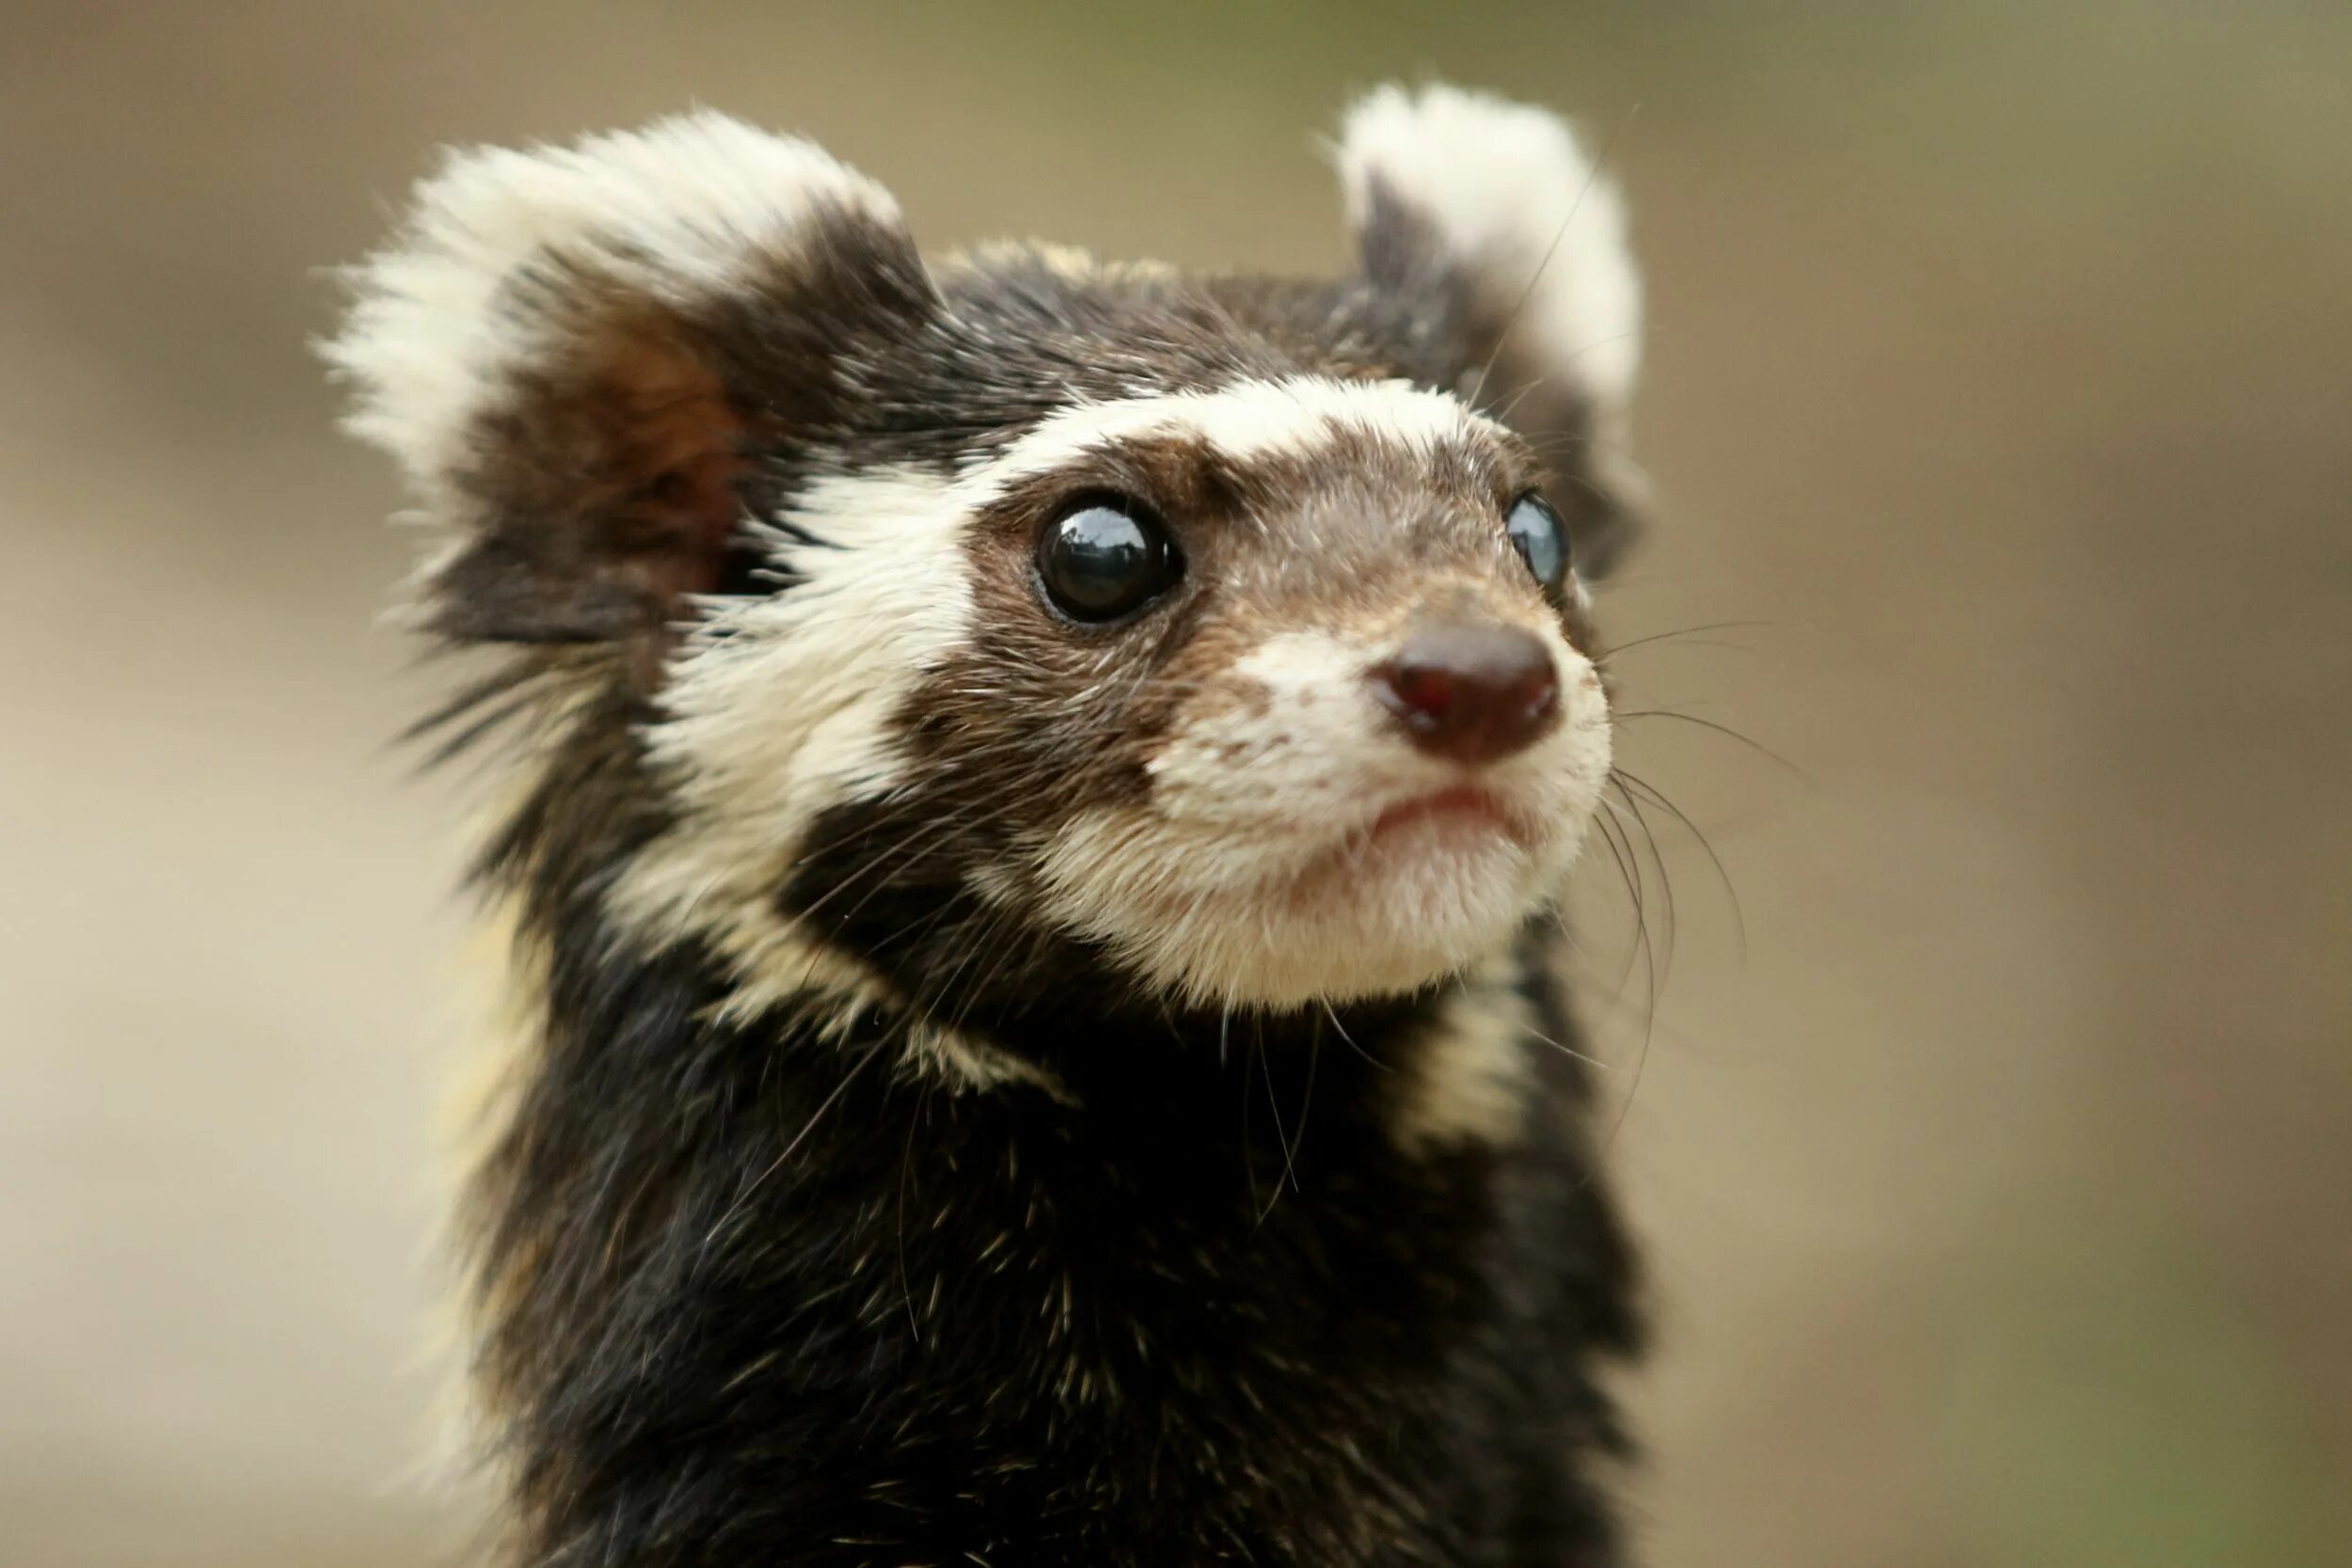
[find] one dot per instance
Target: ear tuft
(1495, 253)
(549, 346)
(1516, 210)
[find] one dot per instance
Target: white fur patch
(786, 698)
(1468, 1080)
(1295, 415)
(1251, 877)
(1523, 210)
(677, 213)
(782, 707)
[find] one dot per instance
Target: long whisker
(785, 1153)
(1666, 878)
(1620, 851)
(1614, 649)
(1570, 1052)
(906, 1164)
(1654, 976)
(1289, 1172)
(1724, 730)
(1249, 1151)
(1350, 1041)
(1731, 893)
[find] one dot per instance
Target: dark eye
(1541, 539)
(1106, 557)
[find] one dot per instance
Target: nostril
(1421, 695)
(1538, 690)
(1469, 691)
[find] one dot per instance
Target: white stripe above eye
(1297, 414)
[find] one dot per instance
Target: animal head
(1015, 621)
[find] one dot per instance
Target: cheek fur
(783, 707)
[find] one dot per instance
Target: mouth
(1463, 823)
(1464, 806)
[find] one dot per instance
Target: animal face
(941, 631)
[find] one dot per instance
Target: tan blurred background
(1996, 1185)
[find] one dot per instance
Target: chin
(1383, 913)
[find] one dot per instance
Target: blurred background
(1992, 1137)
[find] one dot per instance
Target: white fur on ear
(673, 214)
(1516, 203)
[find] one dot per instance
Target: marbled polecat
(1041, 787)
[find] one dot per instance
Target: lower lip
(1445, 823)
(1463, 803)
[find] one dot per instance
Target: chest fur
(1208, 1299)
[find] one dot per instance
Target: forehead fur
(1291, 416)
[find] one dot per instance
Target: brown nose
(1471, 691)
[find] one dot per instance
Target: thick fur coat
(999, 1082)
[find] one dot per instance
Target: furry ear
(1488, 217)
(582, 358)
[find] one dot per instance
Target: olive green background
(1994, 1157)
